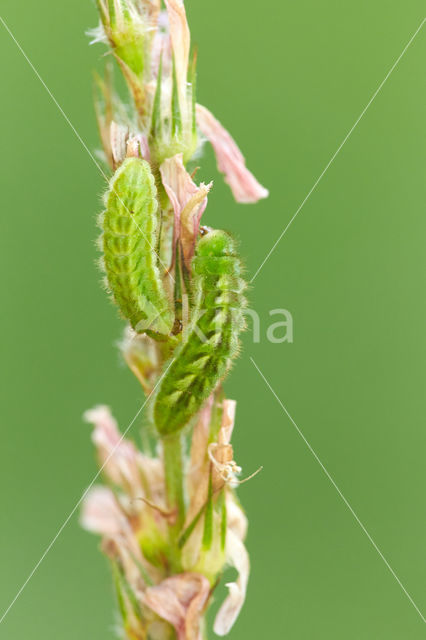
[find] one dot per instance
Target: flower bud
(125, 29)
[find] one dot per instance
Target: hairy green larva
(212, 339)
(129, 241)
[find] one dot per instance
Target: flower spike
(166, 508)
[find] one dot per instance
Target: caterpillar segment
(211, 342)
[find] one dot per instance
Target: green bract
(129, 240)
(125, 31)
(212, 339)
(177, 132)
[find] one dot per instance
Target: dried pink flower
(188, 201)
(118, 458)
(230, 160)
(180, 37)
(236, 556)
(102, 515)
(180, 600)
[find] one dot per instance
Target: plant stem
(173, 467)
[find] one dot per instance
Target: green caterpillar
(212, 340)
(129, 241)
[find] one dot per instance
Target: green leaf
(179, 286)
(190, 528)
(130, 594)
(216, 415)
(221, 504)
(208, 518)
(176, 113)
(145, 575)
(156, 122)
(119, 592)
(193, 81)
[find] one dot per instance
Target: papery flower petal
(118, 457)
(190, 220)
(137, 147)
(193, 547)
(101, 513)
(119, 134)
(198, 484)
(237, 556)
(179, 32)
(178, 185)
(144, 147)
(153, 8)
(230, 160)
(180, 600)
(199, 472)
(236, 518)
(221, 453)
(188, 201)
(228, 420)
(105, 431)
(161, 48)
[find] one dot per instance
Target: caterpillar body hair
(129, 241)
(212, 338)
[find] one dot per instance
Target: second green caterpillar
(212, 339)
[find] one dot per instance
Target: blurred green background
(289, 80)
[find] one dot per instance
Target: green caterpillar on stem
(129, 241)
(211, 341)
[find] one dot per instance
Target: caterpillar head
(215, 244)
